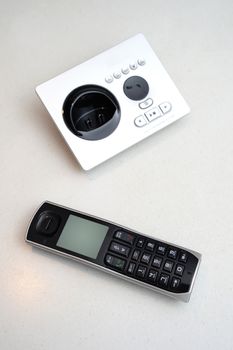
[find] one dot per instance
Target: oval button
(140, 121)
(145, 104)
(165, 107)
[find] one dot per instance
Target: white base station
(139, 119)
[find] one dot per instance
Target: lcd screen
(82, 236)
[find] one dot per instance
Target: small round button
(133, 65)
(141, 61)
(125, 70)
(117, 75)
(136, 88)
(109, 79)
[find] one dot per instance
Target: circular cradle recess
(91, 112)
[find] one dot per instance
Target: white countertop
(176, 185)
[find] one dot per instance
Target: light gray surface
(176, 185)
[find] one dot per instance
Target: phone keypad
(151, 261)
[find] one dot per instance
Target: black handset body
(139, 258)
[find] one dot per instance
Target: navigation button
(140, 121)
(153, 114)
(165, 107)
(47, 223)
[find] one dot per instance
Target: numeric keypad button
(161, 249)
(163, 280)
(152, 275)
(172, 253)
(141, 271)
(157, 262)
(168, 266)
(145, 258)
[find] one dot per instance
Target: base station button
(140, 121)
(165, 107)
